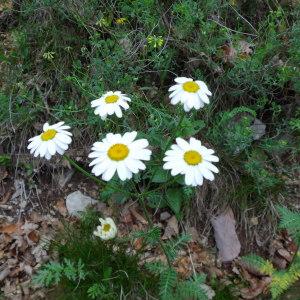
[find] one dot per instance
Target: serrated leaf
(175, 198)
(156, 200)
(161, 176)
(168, 279)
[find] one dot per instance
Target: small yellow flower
(155, 41)
(121, 21)
(48, 55)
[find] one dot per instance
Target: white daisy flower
(121, 154)
(107, 230)
(192, 160)
(111, 103)
(54, 138)
(190, 93)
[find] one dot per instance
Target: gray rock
(76, 202)
(165, 216)
(258, 128)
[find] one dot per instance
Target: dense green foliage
(58, 56)
(91, 268)
(62, 54)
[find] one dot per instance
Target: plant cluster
(281, 280)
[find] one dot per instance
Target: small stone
(258, 128)
(165, 216)
(76, 202)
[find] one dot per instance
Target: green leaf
(190, 127)
(5, 160)
(175, 198)
(262, 265)
(168, 279)
(156, 200)
(173, 246)
(161, 175)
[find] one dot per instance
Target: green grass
(90, 268)
(60, 55)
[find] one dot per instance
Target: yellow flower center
(191, 87)
(111, 99)
(106, 227)
(118, 152)
(192, 157)
(48, 135)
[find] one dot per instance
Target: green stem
(143, 204)
(166, 147)
(83, 171)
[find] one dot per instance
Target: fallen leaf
(171, 228)
(138, 216)
(11, 228)
(229, 53)
(33, 236)
(138, 243)
(60, 206)
(285, 254)
(258, 287)
(225, 235)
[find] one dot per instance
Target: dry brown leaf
(11, 228)
(225, 235)
(33, 236)
(229, 53)
(60, 206)
(138, 243)
(171, 228)
(138, 216)
(257, 287)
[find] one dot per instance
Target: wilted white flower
(107, 230)
(192, 160)
(190, 93)
(121, 154)
(54, 138)
(110, 103)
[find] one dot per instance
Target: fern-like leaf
(167, 282)
(156, 267)
(151, 236)
(282, 280)
(262, 265)
(291, 221)
(49, 274)
(173, 246)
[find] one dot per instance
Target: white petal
(184, 145)
(51, 147)
(109, 173)
(203, 97)
(43, 148)
(118, 112)
(210, 166)
(206, 173)
(123, 172)
(182, 79)
(139, 144)
(129, 137)
(46, 126)
(211, 158)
